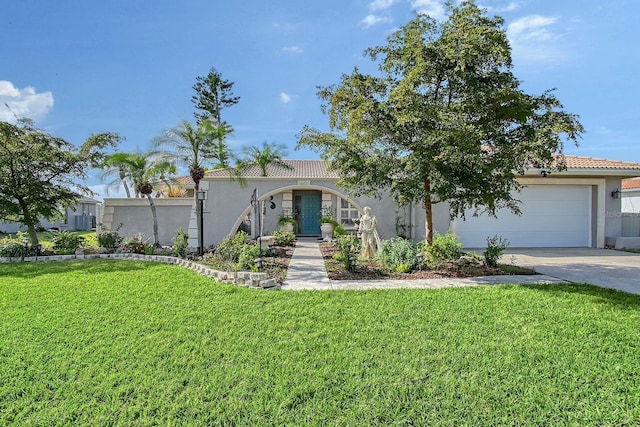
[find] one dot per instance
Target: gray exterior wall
(227, 203)
(135, 217)
(612, 209)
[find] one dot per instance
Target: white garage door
(552, 216)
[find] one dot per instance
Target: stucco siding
(135, 217)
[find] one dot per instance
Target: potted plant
(287, 223)
(327, 223)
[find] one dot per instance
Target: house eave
(588, 172)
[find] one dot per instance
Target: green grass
(106, 342)
(46, 238)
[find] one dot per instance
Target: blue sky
(82, 67)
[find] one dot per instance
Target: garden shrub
(339, 230)
(12, 247)
(230, 249)
(398, 253)
(445, 247)
(110, 239)
(248, 255)
(180, 243)
(137, 244)
(284, 238)
(495, 248)
(348, 246)
(66, 242)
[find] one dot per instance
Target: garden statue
(367, 229)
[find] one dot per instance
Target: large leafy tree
(41, 173)
(446, 119)
(269, 154)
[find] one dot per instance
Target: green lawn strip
(129, 343)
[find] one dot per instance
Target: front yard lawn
(119, 342)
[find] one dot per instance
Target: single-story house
(83, 216)
(578, 207)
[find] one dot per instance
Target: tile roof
(300, 169)
(317, 169)
(631, 183)
(582, 162)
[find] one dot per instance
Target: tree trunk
(126, 190)
(428, 208)
(28, 221)
(195, 197)
(154, 215)
(124, 183)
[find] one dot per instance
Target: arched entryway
(306, 202)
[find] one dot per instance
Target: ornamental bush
(284, 238)
(230, 249)
(348, 247)
(66, 242)
(247, 258)
(495, 248)
(445, 247)
(398, 254)
(180, 243)
(110, 239)
(137, 244)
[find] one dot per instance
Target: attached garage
(552, 216)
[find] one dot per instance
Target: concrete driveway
(602, 267)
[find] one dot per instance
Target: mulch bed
(276, 266)
(371, 270)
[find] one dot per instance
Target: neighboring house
(631, 195)
(83, 216)
(562, 209)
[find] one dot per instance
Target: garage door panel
(552, 215)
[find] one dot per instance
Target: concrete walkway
(306, 267)
(307, 271)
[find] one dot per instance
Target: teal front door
(310, 214)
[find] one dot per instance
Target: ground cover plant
(121, 342)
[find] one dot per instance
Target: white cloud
(292, 49)
(285, 98)
(381, 4)
(533, 38)
(533, 27)
(512, 6)
(509, 8)
(433, 8)
(24, 103)
(371, 20)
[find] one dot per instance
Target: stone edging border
(240, 278)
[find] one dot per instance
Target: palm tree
(196, 147)
(115, 168)
(269, 154)
(141, 170)
(145, 170)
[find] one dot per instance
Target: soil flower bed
(372, 270)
